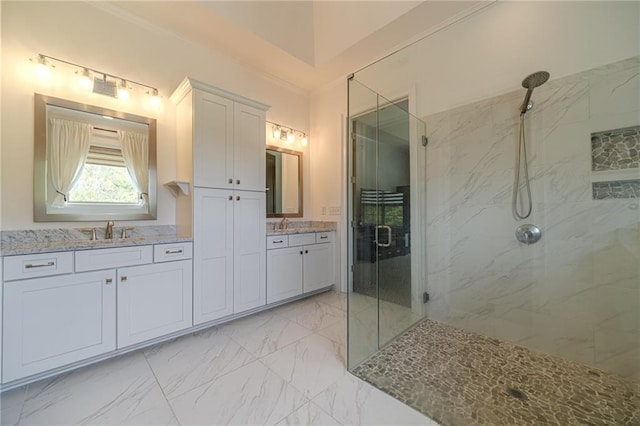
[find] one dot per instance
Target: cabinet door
(212, 254)
(284, 273)
(249, 251)
(249, 140)
(318, 267)
(213, 140)
(54, 321)
(153, 300)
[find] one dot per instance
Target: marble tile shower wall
(575, 293)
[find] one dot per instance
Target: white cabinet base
(53, 321)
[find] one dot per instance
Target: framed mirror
(92, 163)
(284, 182)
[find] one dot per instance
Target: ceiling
(303, 42)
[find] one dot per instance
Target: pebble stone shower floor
(461, 378)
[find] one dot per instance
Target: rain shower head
(530, 82)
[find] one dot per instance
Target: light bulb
(277, 132)
(86, 82)
(155, 99)
(42, 68)
(123, 91)
(304, 140)
(291, 137)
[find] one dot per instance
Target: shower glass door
(381, 298)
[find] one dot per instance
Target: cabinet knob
(230, 180)
(306, 252)
(237, 181)
(109, 281)
(300, 251)
(123, 278)
(230, 197)
(238, 198)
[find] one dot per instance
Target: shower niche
(615, 163)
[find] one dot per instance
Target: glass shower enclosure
(386, 288)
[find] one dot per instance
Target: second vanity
(66, 306)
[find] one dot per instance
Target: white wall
(90, 35)
(490, 52)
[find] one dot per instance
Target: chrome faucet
(108, 235)
(283, 223)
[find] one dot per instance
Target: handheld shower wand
(530, 82)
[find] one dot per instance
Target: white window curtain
(135, 151)
(68, 147)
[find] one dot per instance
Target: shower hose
(521, 149)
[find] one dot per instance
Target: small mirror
(92, 163)
(284, 182)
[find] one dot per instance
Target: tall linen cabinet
(221, 151)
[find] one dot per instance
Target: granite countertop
(300, 227)
(56, 240)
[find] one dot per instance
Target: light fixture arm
(104, 74)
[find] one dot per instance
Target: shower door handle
(388, 228)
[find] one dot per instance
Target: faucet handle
(93, 236)
(124, 231)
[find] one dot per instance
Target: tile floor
(285, 366)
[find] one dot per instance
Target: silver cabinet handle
(300, 251)
(123, 278)
(173, 251)
(278, 242)
(230, 197)
(238, 198)
(324, 237)
(230, 180)
(41, 265)
(237, 181)
(109, 281)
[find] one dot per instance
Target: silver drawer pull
(109, 280)
(238, 181)
(42, 265)
(278, 242)
(230, 180)
(324, 237)
(123, 278)
(173, 251)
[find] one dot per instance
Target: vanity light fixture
(107, 84)
(85, 80)
(288, 134)
(43, 67)
(123, 90)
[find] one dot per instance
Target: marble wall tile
(615, 92)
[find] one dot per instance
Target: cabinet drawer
(277, 241)
(302, 239)
(324, 237)
(171, 252)
(37, 265)
(93, 260)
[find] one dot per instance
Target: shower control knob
(528, 234)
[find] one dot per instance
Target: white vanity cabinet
(298, 264)
(229, 253)
(53, 321)
(91, 306)
(153, 300)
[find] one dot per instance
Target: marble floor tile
(359, 302)
(333, 298)
(352, 401)
(264, 333)
(336, 332)
(309, 415)
(310, 364)
(191, 361)
(250, 395)
(312, 314)
(111, 392)
(161, 415)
